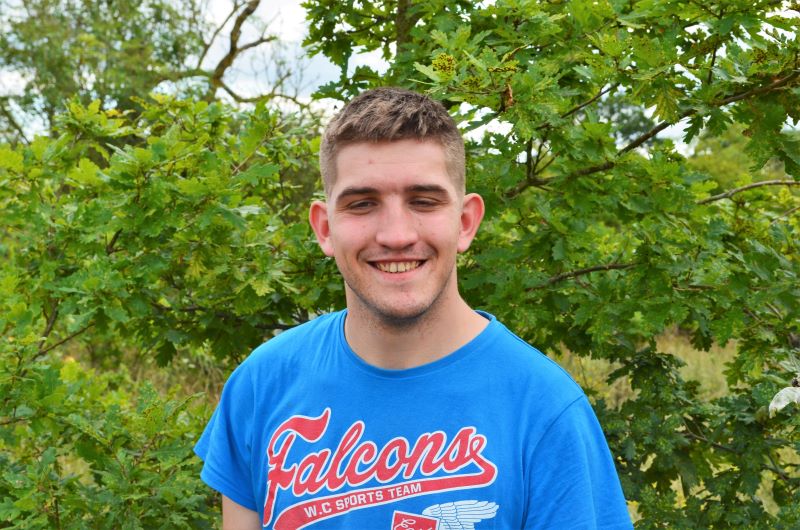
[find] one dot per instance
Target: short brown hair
(390, 114)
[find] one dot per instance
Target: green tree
(119, 50)
(138, 229)
(598, 239)
(184, 239)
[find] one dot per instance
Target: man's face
(394, 221)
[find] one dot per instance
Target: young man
(408, 410)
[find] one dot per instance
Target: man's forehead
(391, 151)
(403, 165)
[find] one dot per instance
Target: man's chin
(398, 313)
(397, 317)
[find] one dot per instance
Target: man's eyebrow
(368, 190)
(427, 188)
(355, 190)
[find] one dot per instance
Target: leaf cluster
(134, 236)
(79, 449)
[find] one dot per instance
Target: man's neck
(435, 335)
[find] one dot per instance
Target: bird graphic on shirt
(461, 515)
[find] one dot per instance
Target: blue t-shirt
(493, 436)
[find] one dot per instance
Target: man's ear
(471, 216)
(318, 218)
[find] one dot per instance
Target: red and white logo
(410, 521)
(432, 463)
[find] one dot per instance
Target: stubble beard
(395, 320)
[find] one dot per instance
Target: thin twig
(529, 160)
(12, 420)
(51, 321)
(600, 94)
(704, 8)
(730, 193)
(648, 135)
(257, 42)
(701, 438)
(62, 341)
(787, 213)
(110, 246)
(539, 154)
(775, 469)
(582, 272)
(710, 76)
(717, 43)
(778, 83)
(14, 124)
(263, 97)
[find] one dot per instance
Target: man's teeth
(398, 266)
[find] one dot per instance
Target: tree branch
(272, 326)
(612, 161)
(236, 6)
(233, 51)
(778, 83)
(593, 169)
(257, 42)
(711, 66)
(702, 438)
(529, 160)
(14, 124)
(605, 165)
(787, 213)
(600, 94)
(192, 72)
(648, 135)
(263, 97)
(62, 341)
(51, 321)
(12, 420)
(731, 193)
(110, 246)
(582, 272)
(377, 21)
(532, 168)
(404, 22)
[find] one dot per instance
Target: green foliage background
(173, 229)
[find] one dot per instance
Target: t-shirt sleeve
(225, 445)
(572, 480)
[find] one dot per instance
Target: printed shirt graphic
(431, 463)
(460, 515)
(492, 436)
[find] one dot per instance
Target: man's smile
(397, 266)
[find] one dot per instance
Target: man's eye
(424, 203)
(360, 205)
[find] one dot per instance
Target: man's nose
(398, 227)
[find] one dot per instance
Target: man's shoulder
(299, 341)
(528, 367)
